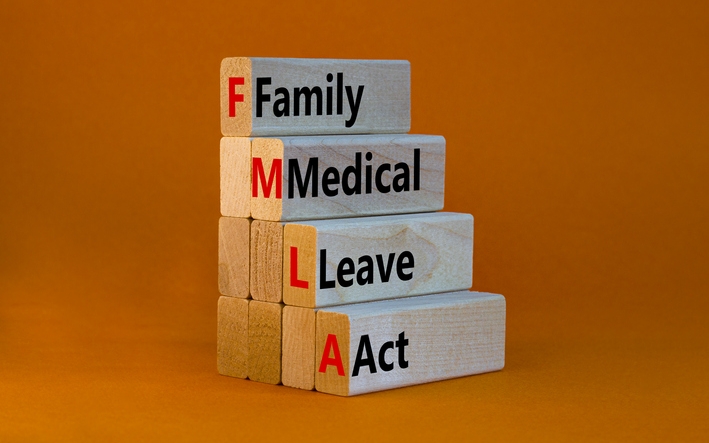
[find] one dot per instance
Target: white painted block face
(322, 177)
(334, 262)
(286, 96)
(382, 345)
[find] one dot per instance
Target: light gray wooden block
(341, 261)
(234, 256)
(287, 96)
(381, 345)
(232, 336)
(318, 177)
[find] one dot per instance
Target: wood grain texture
(360, 97)
(265, 341)
(402, 342)
(232, 336)
(235, 176)
(240, 123)
(389, 257)
(266, 261)
(234, 256)
(372, 174)
(298, 365)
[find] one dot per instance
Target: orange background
(578, 137)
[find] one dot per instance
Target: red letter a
(331, 343)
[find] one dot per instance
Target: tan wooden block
(334, 262)
(388, 344)
(232, 336)
(277, 96)
(265, 341)
(234, 256)
(298, 347)
(235, 176)
(318, 177)
(267, 261)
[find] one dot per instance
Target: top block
(286, 96)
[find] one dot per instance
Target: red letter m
(258, 175)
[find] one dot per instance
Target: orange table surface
(577, 135)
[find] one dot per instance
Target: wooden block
(299, 347)
(334, 262)
(278, 96)
(235, 176)
(234, 256)
(374, 346)
(232, 336)
(265, 341)
(267, 261)
(317, 177)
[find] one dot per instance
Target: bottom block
(299, 347)
(265, 342)
(232, 336)
(369, 347)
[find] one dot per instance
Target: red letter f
(233, 96)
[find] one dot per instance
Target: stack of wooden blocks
(336, 272)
